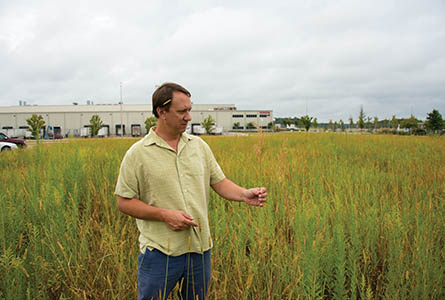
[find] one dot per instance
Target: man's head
(163, 96)
(172, 106)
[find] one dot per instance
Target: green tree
(36, 122)
(95, 125)
(150, 122)
(342, 125)
(376, 123)
(434, 121)
(331, 125)
(315, 123)
(361, 119)
(368, 122)
(411, 123)
(306, 121)
(286, 122)
(207, 124)
(250, 125)
(351, 122)
(394, 123)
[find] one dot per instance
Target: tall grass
(348, 217)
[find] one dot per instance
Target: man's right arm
(175, 219)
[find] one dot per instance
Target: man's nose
(188, 116)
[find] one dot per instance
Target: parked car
(19, 142)
(5, 146)
(419, 131)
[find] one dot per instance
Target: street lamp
(122, 125)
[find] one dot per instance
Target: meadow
(347, 217)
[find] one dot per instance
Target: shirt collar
(152, 138)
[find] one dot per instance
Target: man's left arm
(231, 191)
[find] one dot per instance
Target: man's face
(178, 116)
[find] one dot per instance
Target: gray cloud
(328, 57)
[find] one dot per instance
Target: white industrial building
(71, 120)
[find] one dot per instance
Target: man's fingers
(260, 191)
(187, 216)
(186, 224)
(189, 220)
(191, 223)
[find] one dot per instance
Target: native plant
(347, 217)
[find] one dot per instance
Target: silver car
(5, 146)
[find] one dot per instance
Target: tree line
(433, 123)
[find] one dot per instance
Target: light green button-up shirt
(154, 173)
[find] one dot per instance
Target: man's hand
(255, 196)
(177, 220)
(231, 191)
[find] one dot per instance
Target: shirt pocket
(192, 164)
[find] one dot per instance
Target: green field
(348, 217)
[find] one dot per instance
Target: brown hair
(163, 96)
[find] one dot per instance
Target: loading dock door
(135, 130)
(118, 130)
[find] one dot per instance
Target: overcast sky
(326, 57)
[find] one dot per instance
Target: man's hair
(163, 96)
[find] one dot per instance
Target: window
(264, 116)
(237, 116)
(251, 116)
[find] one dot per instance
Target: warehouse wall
(71, 119)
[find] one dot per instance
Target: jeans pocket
(144, 260)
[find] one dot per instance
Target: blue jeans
(156, 280)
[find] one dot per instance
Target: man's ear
(160, 111)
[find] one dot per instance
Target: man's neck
(170, 138)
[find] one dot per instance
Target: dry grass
(348, 217)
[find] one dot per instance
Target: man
(164, 183)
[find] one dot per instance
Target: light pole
(122, 125)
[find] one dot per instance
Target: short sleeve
(127, 183)
(216, 173)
